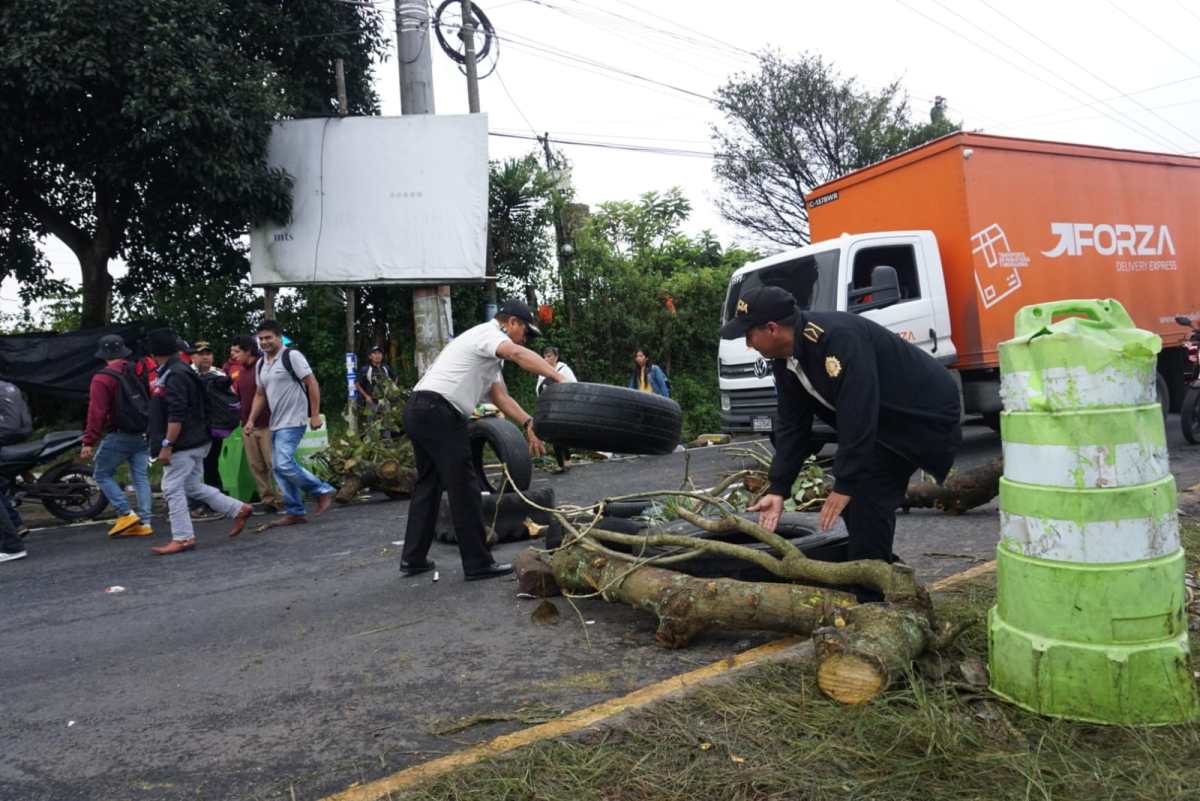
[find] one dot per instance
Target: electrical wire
(1054, 49)
(1009, 61)
(1153, 33)
(512, 99)
(681, 26)
(1044, 114)
(660, 151)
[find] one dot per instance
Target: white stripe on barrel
(1085, 466)
(1104, 542)
(1076, 388)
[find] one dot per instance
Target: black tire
(627, 508)
(1189, 415)
(510, 446)
(826, 547)
(1163, 392)
(88, 502)
(600, 417)
(509, 517)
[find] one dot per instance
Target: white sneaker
(10, 557)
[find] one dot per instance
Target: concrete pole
(467, 34)
(432, 321)
(351, 292)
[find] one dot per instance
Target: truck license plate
(761, 424)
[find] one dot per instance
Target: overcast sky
(1105, 72)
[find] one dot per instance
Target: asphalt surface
(294, 663)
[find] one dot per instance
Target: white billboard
(394, 200)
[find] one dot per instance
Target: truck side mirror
(883, 291)
(1184, 320)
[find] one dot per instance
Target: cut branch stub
(861, 659)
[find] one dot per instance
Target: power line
(1153, 33)
(1054, 49)
(513, 100)
(1005, 59)
(1042, 114)
(681, 26)
(659, 151)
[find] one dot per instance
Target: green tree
(796, 124)
(137, 130)
(520, 213)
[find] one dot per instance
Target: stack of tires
(1089, 620)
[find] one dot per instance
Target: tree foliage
(137, 130)
(796, 124)
(520, 213)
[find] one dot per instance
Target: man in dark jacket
(894, 407)
(180, 438)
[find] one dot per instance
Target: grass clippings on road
(772, 735)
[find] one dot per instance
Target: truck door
(913, 317)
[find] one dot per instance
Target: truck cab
(892, 277)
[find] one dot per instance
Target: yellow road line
(556, 728)
(581, 719)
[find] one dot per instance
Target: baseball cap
(111, 346)
(201, 346)
(162, 342)
(517, 309)
(376, 349)
(759, 306)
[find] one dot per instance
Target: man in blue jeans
(287, 386)
(120, 430)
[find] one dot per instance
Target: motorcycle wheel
(1189, 415)
(86, 501)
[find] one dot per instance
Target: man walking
(11, 547)
(179, 434)
(256, 438)
(895, 408)
(287, 386)
(118, 413)
(435, 419)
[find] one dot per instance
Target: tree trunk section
(960, 493)
(686, 606)
(389, 476)
(97, 288)
(877, 645)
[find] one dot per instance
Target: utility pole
(269, 302)
(559, 232)
(467, 34)
(351, 292)
(432, 320)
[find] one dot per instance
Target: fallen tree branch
(877, 645)
(961, 492)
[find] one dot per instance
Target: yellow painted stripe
(581, 719)
(557, 728)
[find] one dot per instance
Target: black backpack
(221, 403)
(287, 365)
(131, 412)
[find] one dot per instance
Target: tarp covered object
(399, 200)
(60, 365)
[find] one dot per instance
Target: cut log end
(851, 678)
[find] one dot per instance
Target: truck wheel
(507, 511)
(600, 417)
(1163, 392)
(1189, 415)
(509, 444)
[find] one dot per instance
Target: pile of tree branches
(378, 456)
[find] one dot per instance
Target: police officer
(435, 419)
(894, 407)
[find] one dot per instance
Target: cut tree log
(686, 606)
(960, 493)
(877, 644)
(390, 476)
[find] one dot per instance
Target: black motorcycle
(68, 490)
(1189, 412)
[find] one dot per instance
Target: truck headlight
(725, 403)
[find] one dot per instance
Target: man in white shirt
(435, 419)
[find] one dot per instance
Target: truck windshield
(812, 281)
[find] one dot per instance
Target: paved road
(299, 661)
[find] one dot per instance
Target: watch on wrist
(528, 424)
(167, 443)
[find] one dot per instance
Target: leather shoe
(491, 571)
(323, 502)
(175, 546)
(416, 568)
(239, 522)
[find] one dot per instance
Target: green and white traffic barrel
(1089, 619)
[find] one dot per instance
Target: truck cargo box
(1020, 221)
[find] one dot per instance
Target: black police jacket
(178, 397)
(883, 391)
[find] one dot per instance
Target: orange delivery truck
(944, 243)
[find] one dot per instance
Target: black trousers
(442, 451)
(212, 475)
(871, 514)
(10, 542)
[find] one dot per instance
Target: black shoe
(412, 569)
(491, 571)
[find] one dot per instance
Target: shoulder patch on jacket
(812, 332)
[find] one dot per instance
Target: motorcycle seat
(54, 437)
(24, 452)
